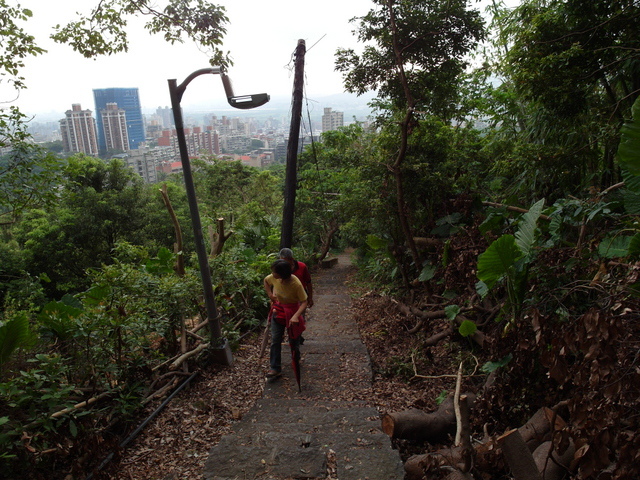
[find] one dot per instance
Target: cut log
(518, 456)
(532, 433)
(417, 425)
(538, 428)
(553, 465)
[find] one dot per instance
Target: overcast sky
(261, 36)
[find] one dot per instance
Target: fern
(525, 236)
(13, 335)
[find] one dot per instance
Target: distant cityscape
(148, 142)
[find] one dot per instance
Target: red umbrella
(294, 330)
(295, 357)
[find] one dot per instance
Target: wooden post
(286, 238)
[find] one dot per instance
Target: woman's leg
(277, 333)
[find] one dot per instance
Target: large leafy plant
(507, 261)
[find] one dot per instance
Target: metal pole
(210, 302)
(220, 351)
(286, 238)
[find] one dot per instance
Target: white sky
(261, 36)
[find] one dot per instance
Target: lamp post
(220, 351)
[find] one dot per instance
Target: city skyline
(261, 38)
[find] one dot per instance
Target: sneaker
(273, 374)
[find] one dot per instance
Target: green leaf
(452, 311)
(4, 420)
(498, 260)
(13, 334)
(428, 272)
(482, 289)
(634, 246)
(376, 243)
(631, 202)
(73, 428)
(614, 247)
(629, 148)
(97, 294)
(525, 236)
(467, 328)
(449, 294)
(493, 366)
(631, 182)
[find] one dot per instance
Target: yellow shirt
(290, 292)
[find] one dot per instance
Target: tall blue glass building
(128, 100)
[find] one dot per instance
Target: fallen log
(417, 425)
(533, 433)
(538, 428)
(518, 456)
(553, 464)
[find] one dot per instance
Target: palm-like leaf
(13, 334)
(525, 236)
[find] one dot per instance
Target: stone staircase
(327, 428)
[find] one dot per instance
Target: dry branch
(513, 209)
(178, 361)
(161, 391)
(80, 405)
(465, 435)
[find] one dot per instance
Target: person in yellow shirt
(288, 304)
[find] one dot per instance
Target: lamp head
(244, 102)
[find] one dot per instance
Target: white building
(114, 123)
(78, 131)
(332, 120)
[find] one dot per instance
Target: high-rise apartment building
(78, 131)
(114, 123)
(332, 120)
(128, 100)
(166, 114)
(197, 139)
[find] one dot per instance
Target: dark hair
(282, 268)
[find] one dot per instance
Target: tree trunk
(177, 247)
(218, 238)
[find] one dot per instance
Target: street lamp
(220, 351)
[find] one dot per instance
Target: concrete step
(302, 455)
